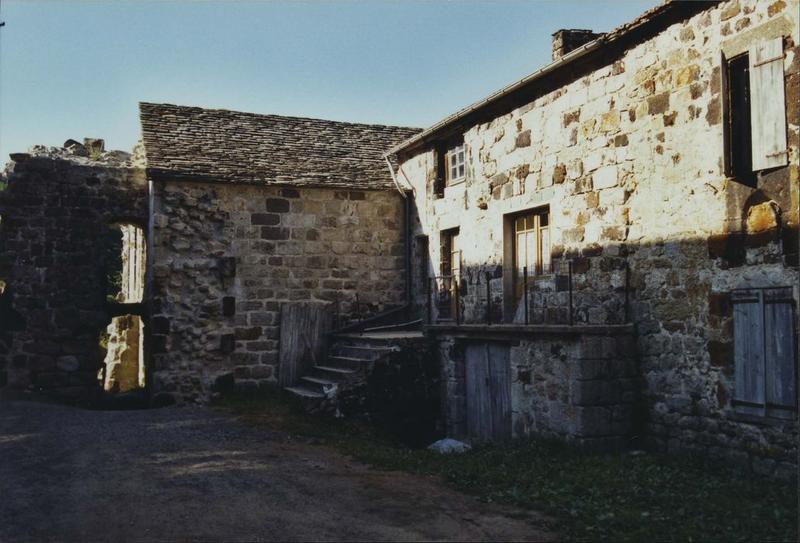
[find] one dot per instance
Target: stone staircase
(349, 360)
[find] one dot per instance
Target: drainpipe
(407, 231)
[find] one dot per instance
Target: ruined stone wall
(55, 212)
(629, 159)
(226, 256)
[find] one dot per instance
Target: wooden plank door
(303, 327)
(488, 391)
(500, 389)
(479, 419)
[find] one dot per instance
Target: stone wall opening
(123, 368)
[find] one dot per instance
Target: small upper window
(456, 164)
(755, 111)
(740, 138)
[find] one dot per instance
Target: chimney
(568, 39)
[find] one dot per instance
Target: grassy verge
(592, 496)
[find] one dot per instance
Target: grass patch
(591, 496)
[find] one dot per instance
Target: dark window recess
(441, 170)
(764, 351)
(740, 144)
(228, 306)
(423, 260)
(227, 343)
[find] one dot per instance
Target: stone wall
(55, 211)
(628, 157)
(578, 386)
(226, 256)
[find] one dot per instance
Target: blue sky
(74, 69)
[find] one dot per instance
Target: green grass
(590, 496)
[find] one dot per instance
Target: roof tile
(231, 146)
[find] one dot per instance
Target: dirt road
(194, 474)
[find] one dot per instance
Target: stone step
(318, 382)
(385, 340)
(334, 372)
(305, 393)
(361, 352)
(348, 362)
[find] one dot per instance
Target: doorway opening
(123, 368)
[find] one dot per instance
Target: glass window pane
(545, 250)
(531, 249)
(543, 219)
(461, 171)
(520, 252)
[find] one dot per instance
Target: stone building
(605, 251)
(249, 212)
(614, 239)
(242, 214)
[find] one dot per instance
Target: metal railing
(445, 295)
(446, 291)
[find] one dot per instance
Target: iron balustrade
(444, 295)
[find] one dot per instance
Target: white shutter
(767, 105)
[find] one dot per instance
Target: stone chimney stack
(568, 39)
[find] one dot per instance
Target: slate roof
(229, 146)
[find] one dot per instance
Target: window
(456, 164)
(531, 249)
(451, 164)
(755, 111)
(740, 157)
(764, 351)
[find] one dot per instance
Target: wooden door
(450, 270)
(488, 391)
(455, 272)
(303, 328)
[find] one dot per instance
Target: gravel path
(194, 474)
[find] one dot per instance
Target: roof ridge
(271, 115)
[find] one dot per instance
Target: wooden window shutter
(767, 105)
(748, 337)
(780, 349)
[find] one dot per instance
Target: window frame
(738, 141)
(542, 265)
(456, 150)
(450, 270)
(765, 105)
(449, 253)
